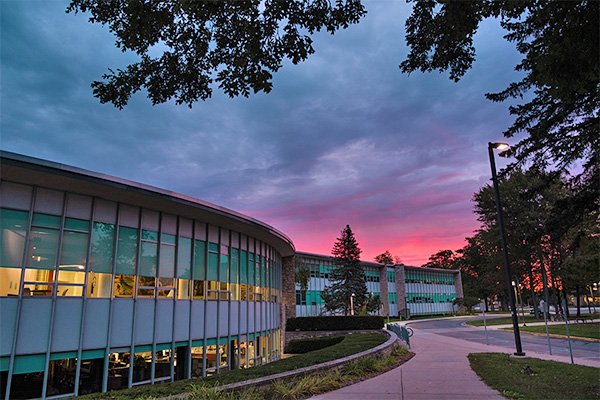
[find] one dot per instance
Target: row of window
(430, 298)
(313, 297)
(146, 366)
(371, 275)
(324, 271)
(309, 297)
(58, 254)
(391, 276)
(429, 278)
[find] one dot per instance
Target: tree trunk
(485, 304)
(566, 297)
(578, 301)
(534, 301)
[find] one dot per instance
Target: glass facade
(429, 291)
(129, 295)
(422, 291)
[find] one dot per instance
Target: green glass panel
(263, 271)
(143, 348)
(235, 256)
(163, 346)
(244, 267)
(44, 243)
(199, 260)
(29, 363)
(63, 356)
(181, 344)
(127, 250)
(184, 258)
(4, 363)
(148, 259)
(213, 267)
(45, 220)
(150, 236)
(13, 229)
(167, 261)
(251, 268)
(77, 224)
(74, 249)
(213, 247)
(103, 247)
(224, 268)
(92, 354)
(167, 238)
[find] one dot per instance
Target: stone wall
(401, 291)
(383, 290)
(288, 295)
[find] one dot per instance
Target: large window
(13, 230)
(184, 267)
(101, 260)
(127, 246)
(71, 272)
(43, 254)
(148, 264)
(118, 370)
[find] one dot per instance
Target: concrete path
(439, 370)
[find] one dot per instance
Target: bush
(337, 323)
(302, 346)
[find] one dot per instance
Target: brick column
(383, 290)
(458, 285)
(288, 294)
(401, 290)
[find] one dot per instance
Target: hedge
(301, 346)
(337, 323)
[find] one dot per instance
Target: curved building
(107, 284)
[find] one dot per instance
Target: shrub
(336, 323)
(302, 346)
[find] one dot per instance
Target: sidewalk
(439, 370)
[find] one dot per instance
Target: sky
(343, 138)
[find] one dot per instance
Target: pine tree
(347, 277)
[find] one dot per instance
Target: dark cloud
(343, 137)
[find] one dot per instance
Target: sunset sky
(343, 138)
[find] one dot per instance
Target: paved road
(440, 369)
(455, 328)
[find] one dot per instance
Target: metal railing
(403, 331)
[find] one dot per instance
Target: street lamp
(352, 304)
(503, 148)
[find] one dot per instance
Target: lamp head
(502, 147)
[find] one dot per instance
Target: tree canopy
(188, 47)
(235, 45)
(385, 258)
(442, 259)
(560, 44)
(544, 238)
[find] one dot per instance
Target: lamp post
(352, 304)
(503, 147)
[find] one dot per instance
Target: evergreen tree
(347, 277)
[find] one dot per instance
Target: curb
(390, 343)
(554, 335)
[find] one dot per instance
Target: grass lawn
(528, 318)
(351, 344)
(531, 378)
(503, 320)
(587, 330)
